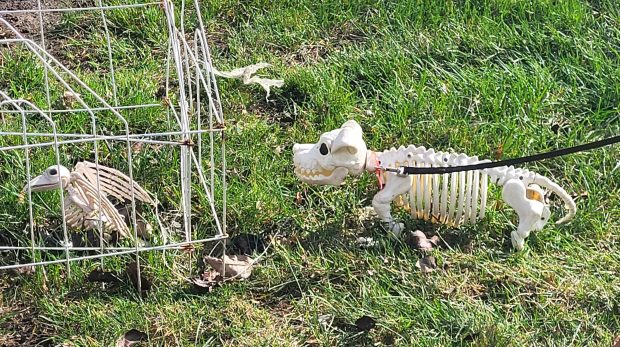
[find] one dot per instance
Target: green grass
(471, 76)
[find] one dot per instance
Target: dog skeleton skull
(338, 153)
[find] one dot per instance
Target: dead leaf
(25, 270)
(299, 199)
(132, 272)
(312, 343)
(499, 152)
(144, 228)
(207, 281)
(417, 240)
(616, 342)
(232, 266)
(498, 205)
(70, 97)
(365, 323)
(131, 337)
(426, 264)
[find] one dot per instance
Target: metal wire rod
(132, 250)
(95, 109)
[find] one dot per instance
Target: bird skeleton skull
(54, 177)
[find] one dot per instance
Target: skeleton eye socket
(323, 150)
(52, 172)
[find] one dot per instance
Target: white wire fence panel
(74, 95)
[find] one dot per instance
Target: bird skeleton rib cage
(147, 152)
(454, 198)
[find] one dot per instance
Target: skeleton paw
(396, 230)
(518, 242)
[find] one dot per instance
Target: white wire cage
(165, 132)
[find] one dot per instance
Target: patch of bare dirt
(336, 40)
(28, 23)
(21, 326)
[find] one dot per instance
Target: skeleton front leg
(532, 213)
(93, 218)
(395, 186)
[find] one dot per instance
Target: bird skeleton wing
(112, 182)
(84, 206)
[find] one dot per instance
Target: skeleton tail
(569, 203)
(501, 174)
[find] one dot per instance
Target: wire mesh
(165, 133)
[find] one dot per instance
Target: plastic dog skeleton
(84, 207)
(454, 198)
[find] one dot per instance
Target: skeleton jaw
(322, 177)
(337, 153)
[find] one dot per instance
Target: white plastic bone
(86, 207)
(455, 198)
(246, 75)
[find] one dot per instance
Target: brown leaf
(417, 240)
(499, 152)
(144, 228)
(299, 199)
(69, 98)
(426, 264)
(131, 337)
(616, 342)
(365, 323)
(237, 266)
(207, 281)
(132, 272)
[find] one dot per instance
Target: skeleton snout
(300, 147)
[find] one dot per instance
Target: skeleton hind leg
(529, 211)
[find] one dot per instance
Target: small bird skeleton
(85, 206)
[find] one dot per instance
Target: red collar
(378, 172)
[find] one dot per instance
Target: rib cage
(453, 198)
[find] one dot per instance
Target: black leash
(409, 170)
